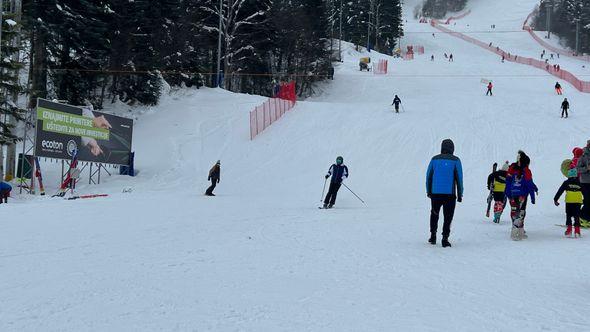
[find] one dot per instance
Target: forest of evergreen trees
(440, 8)
(101, 51)
(566, 14)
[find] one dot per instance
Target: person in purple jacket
(519, 186)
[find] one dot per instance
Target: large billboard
(98, 137)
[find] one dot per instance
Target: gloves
(460, 199)
(556, 203)
(532, 200)
(327, 176)
(428, 195)
(209, 179)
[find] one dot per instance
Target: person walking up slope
(583, 168)
(573, 201)
(519, 185)
(339, 173)
(396, 102)
(214, 177)
(490, 87)
(444, 185)
(497, 184)
(565, 105)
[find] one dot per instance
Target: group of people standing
(512, 184)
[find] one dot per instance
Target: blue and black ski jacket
(445, 173)
(338, 173)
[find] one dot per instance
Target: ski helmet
(339, 160)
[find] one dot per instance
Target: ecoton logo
(52, 145)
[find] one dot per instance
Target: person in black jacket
(558, 88)
(565, 107)
(396, 102)
(214, 177)
(497, 185)
(573, 201)
(338, 172)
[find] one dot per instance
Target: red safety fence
(458, 17)
(381, 67)
(408, 56)
(273, 109)
(582, 86)
(419, 49)
(529, 29)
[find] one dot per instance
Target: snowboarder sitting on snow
(214, 177)
(519, 185)
(558, 88)
(5, 190)
(444, 185)
(396, 102)
(497, 184)
(490, 86)
(338, 172)
(565, 105)
(573, 201)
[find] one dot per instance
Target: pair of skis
(491, 194)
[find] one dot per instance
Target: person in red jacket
(490, 86)
(578, 152)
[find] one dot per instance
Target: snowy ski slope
(261, 257)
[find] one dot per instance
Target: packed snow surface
(261, 257)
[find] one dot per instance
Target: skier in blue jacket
(338, 172)
(444, 185)
(5, 190)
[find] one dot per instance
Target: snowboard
(491, 194)
(565, 166)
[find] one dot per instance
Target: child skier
(573, 201)
(214, 177)
(5, 190)
(497, 184)
(396, 102)
(339, 173)
(519, 185)
(558, 88)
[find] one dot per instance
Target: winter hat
(525, 161)
(447, 146)
(578, 152)
(339, 160)
(572, 173)
(219, 162)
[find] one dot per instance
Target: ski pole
(323, 190)
(357, 196)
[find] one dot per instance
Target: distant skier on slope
(558, 88)
(490, 87)
(396, 102)
(5, 190)
(497, 184)
(573, 201)
(214, 177)
(444, 185)
(583, 168)
(339, 173)
(565, 105)
(519, 185)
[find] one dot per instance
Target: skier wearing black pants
(583, 168)
(565, 107)
(396, 102)
(338, 172)
(214, 177)
(444, 185)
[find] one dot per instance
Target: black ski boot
(445, 243)
(330, 206)
(432, 239)
(325, 206)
